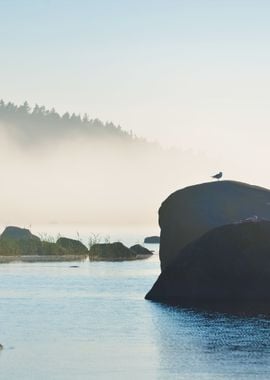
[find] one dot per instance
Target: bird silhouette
(217, 176)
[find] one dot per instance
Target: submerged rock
(227, 265)
(72, 246)
(152, 240)
(140, 250)
(188, 213)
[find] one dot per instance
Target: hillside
(37, 124)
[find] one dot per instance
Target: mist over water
(71, 177)
(73, 169)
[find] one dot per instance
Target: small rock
(72, 246)
(152, 240)
(111, 251)
(140, 250)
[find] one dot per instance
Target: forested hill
(35, 124)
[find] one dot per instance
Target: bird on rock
(217, 176)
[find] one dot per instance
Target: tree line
(39, 120)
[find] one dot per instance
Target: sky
(173, 71)
(189, 73)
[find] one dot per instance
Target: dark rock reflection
(200, 343)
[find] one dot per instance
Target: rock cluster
(20, 242)
(117, 252)
(16, 241)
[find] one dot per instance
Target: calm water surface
(92, 322)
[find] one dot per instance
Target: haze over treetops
(28, 124)
(73, 169)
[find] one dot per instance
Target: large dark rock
(189, 213)
(111, 251)
(17, 233)
(229, 264)
(72, 246)
(152, 240)
(140, 250)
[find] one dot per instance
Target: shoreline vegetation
(20, 245)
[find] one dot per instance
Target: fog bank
(77, 179)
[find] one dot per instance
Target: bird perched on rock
(217, 176)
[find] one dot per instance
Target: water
(92, 322)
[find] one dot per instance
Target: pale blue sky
(187, 73)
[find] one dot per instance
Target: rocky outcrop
(152, 240)
(20, 242)
(111, 252)
(229, 264)
(17, 233)
(72, 246)
(17, 244)
(189, 213)
(140, 250)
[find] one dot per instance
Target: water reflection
(93, 323)
(203, 344)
